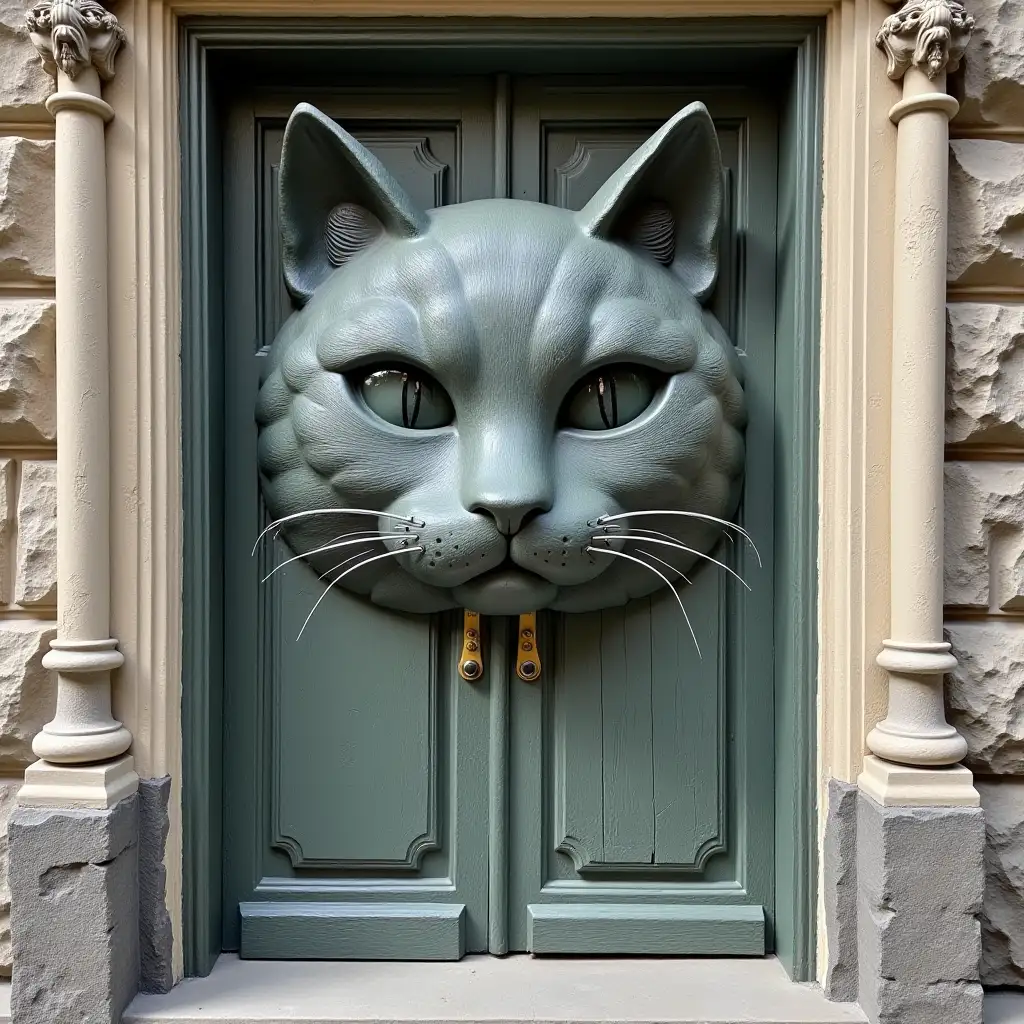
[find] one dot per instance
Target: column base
(898, 785)
(87, 785)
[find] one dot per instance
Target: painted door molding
(230, 717)
(797, 42)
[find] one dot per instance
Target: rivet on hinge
(471, 660)
(528, 653)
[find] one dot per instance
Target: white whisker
(352, 568)
(333, 512)
(331, 547)
(351, 558)
(679, 547)
(668, 565)
(660, 575)
(601, 520)
(658, 533)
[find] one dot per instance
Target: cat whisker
(334, 512)
(661, 576)
(669, 565)
(331, 547)
(352, 568)
(679, 547)
(351, 558)
(658, 533)
(601, 520)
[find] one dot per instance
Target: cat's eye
(406, 397)
(609, 397)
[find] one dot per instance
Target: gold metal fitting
(471, 660)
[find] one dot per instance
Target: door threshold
(490, 990)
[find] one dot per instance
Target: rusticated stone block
(985, 695)
(991, 85)
(7, 477)
(984, 535)
(24, 85)
(984, 374)
(919, 881)
(8, 799)
(1002, 922)
(156, 935)
(27, 692)
(26, 209)
(75, 914)
(36, 580)
(27, 371)
(986, 213)
(839, 890)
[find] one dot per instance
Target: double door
(376, 805)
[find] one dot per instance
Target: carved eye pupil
(609, 397)
(406, 397)
(411, 410)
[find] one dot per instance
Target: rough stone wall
(985, 458)
(28, 590)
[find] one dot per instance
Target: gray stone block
(920, 879)
(1002, 922)
(156, 941)
(74, 913)
(840, 891)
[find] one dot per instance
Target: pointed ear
(336, 198)
(666, 200)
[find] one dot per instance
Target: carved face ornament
(501, 405)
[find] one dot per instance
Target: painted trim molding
(143, 217)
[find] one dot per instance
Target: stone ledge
(482, 988)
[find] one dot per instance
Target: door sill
(482, 989)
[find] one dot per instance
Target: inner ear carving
(350, 229)
(675, 176)
(335, 199)
(651, 228)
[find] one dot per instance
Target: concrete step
(491, 990)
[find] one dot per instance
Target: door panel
(377, 806)
(640, 784)
(356, 755)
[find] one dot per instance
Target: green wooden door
(376, 805)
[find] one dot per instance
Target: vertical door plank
(578, 738)
(627, 766)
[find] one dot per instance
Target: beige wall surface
(984, 571)
(985, 425)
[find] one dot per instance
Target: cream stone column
(83, 750)
(915, 747)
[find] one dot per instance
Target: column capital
(72, 35)
(930, 35)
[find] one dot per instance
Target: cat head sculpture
(488, 385)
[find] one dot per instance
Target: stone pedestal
(74, 918)
(920, 879)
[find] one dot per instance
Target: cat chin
(505, 592)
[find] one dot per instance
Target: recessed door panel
(636, 781)
(354, 786)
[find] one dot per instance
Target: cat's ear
(666, 200)
(335, 198)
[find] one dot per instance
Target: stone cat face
(494, 378)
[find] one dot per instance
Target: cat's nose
(506, 473)
(510, 515)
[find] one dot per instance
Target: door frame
(218, 55)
